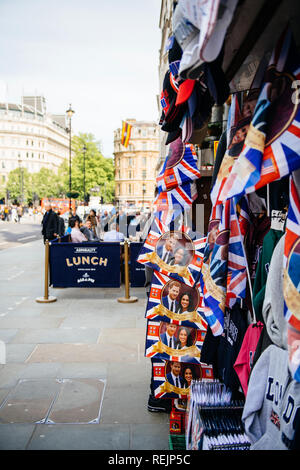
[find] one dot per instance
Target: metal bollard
(127, 298)
(46, 298)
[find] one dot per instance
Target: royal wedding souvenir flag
(165, 373)
(177, 199)
(291, 278)
(234, 116)
(272, 144)
(173, 342)
(223, 276)
(175, 253)
(179, 167)
(175, 302)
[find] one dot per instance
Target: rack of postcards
(213, 419)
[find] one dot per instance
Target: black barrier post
(46, 298)
(127, 298)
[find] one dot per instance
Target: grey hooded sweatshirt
(272, 407)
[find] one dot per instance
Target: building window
(32, 155)
(3, 164)
(129, 189)
(144, 161)
(144, 174)
(3, 178)
(144, 145)
(130, 161)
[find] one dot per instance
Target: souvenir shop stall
(223, 313)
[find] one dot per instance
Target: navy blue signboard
(137, 270)
(85, 264)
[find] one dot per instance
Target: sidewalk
(75, 376)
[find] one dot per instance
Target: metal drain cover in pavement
(78, 401)
(29, 401)
(52, 401)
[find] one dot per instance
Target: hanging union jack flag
(291, 279)
(174, 302)
(234, 116)
(177, 199)
(272, 145)
(173, 342)
(175, 253)
(164, 375)
(223, 276)
(179, 167)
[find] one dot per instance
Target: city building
(30, 137)
(135, 165)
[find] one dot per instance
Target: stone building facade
(135, 165)
(30, 137)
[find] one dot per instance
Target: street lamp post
(70, 113)
(84, 152)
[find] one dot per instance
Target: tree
(46, 183)
(19, 184)
(99, 171)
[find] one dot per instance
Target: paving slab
(138, 373)
(40, 371)
(57, 335)
(15, 436)
(10, 374)
(83, 369)
(84, 353)
(153, 436)
(122, 336)
(36, 322)
(128, 405)
(97, 320)
(18, 352)
(7, 335)
(83, 437)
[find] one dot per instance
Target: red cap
(185, 91)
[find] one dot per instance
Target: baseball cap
(211, 19)
(174, 56)
(173, 135)
(173, 114)
(185, 90)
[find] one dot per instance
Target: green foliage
(99, 172)
(19, 184)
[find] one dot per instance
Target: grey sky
(101, 56)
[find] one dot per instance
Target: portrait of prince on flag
(179, 298)
(175, 249)
(175, 341)
(180, 375)
(173, 301)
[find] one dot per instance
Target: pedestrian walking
(49, 223)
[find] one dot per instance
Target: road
(13, 234)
